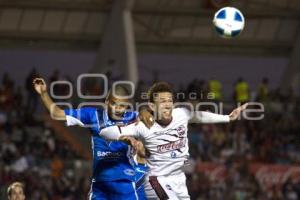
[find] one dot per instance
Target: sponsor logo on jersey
(178, 144)
(181, 130)
(108, 154)
(173, 154)
(178, 132)
(129, 172)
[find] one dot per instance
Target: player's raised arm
(208, 117)
(41, 88)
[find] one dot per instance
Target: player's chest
(173, 132)
(167, 140)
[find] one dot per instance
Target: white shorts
(171, 187)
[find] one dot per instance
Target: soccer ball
(229, 22)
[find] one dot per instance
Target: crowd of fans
(33, 153)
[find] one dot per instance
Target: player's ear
(106, 100)
(151, 106)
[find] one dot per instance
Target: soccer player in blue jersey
(113, 166)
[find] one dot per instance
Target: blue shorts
(113, 190)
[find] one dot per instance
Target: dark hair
(157, 88)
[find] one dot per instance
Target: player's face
(17, 194)
(116, 107)
(163, 105)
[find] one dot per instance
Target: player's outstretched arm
(41, 88)
(208, 117)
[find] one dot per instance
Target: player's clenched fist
(39, 85)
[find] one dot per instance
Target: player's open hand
(146, 117)
(39, 85)
(237, 112)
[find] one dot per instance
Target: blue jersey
(141, 170)
(111, 160)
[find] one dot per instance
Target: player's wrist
(43, 93)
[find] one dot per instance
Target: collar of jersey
(107, 120)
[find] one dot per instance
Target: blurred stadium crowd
(33, 153)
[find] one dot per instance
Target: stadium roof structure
(272, 26)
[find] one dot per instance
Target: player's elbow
(58, 114)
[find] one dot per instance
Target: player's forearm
(115, 132)
(141, 160)
(208, 117)
(55, 111)
(141, 153)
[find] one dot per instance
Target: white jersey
(168, 146)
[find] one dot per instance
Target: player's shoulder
(80, 111)
(89, 109)
(130, 115)
(181, 111)
(181, 114)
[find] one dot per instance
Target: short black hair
(158, 88)
(119, 92)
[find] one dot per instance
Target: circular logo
(129, 172)
(181, 130)
(173, 154)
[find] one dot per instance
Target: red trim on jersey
(159, 190)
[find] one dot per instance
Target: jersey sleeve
(115, 132)
(185, 112)
(208, 117)
(82, 117)
(202, 116)
(130, 116)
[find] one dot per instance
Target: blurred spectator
(56, 167)
(7, 82)
(215, 88)
(263, 90)
(55, 76)
(57, 87)
(15, 191)
(241, 91)
(32, 97)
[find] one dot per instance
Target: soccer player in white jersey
(167, 141)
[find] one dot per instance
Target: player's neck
(164, 122)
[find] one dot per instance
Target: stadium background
(146, 41)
